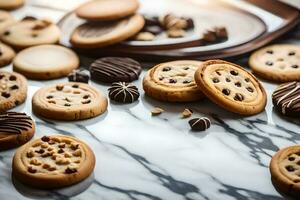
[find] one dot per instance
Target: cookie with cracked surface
(53, 162)
(13, 90)
(231, 87)
(69, 101)
(15, 129)
(173, 81)
(278, 62)
(285, 170)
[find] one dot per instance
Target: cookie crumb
(157, 111)
(145, 36)
(187, 113)
(176, 33)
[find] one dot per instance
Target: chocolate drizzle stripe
(15, 123)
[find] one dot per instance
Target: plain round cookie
(102, 10)
(285, 170)
(280, 62)
(13, 90)
(15, 129)
(30, 32)
(6, 54)
(11, 4)
(173, 81)
(6, 19)
(100, 34)
(53, 162)
(231, 87)
(45, 62)
(69, 101)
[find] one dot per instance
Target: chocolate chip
(186, 68)
(62, 145)
(75, 86)
(78, 76)
(86, 102)
(6, 33)
(86, 96)
(295, 66)
(186, 81)
(250, 89)
(234, 73)
(238, 84)
(59, 87)
(67, 104)
(172, 81)
(161, 78)
(40, 151)
(291, 158)
(199, 124)
(219, 73)
(46, 155)
(238, 97)
(165, 69)
(34, 35)
(17, 102)
(45, 139)
(216, 80)
(270, 52)
(247, 79)
(60, 151)
(49, 97)
(292, 53)
(1, 76)
(227, 80)
(269, 63)
(31, 170)
(226, 91)
(290, 168)
(12, 78)
(14, 87)
(5, 94)
(70, 171)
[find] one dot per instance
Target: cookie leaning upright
(285, 170)
(231, 87)
(280, 62)
(53, 162)
(173, 81)
(69, 101)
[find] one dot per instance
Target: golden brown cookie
(45, 62)
(231, 87)
(102, 10)
(6, 19)
(100, 34)
(15, 129)
(30, 32)
(6, 54)
(13, 90)
(285, 170)
(69, 101)
(11, 4)
(53, 162)
(280, 62)
(173, 81)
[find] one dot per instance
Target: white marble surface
(140, 157)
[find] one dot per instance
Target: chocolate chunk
(78, 76)
(40, 151)
(155, 30)
(199, 124)
(151, 20)
(60, 151)
(14, 87)
(295, 66)
(227, 79)
(62, 145)
(238, 97)
(123, 92)
(221, 32)
(165, 69)
(45, 139)
(12, 78)
(210, 37)
(6, 33)
(172, 81)
(238, 84)
(114, 69)
(269, 63)
(186, 81)
(226, 91)
(234, 73)
(59, 87)
(69, 170)
(250, 89)
(269, 51)
(31, 170)
(5, 94)
(190, 22)
(29, 18)
(216, 80)
(292, 53)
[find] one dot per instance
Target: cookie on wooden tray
(286, 99)
(231, 87)
(69, 101)
(11, 4)
(15, 129)
(6, 55)
(102, 10)
(45, 62)
(285, 170)
(6, 19)
(100, 34)
(53, 162)
(30, 32)
(173, 81)
(13, 90)
(280, 62)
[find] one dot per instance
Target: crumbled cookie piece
(157, 111)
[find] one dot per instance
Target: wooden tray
(251, 24)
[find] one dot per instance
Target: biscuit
(11, 4)
(278, 62)
(30, 32)
(231, 87)
(6, 55)
(286, 99)
(53, 162)
(6, 19)
(69, 101)
(102, 10)
(100, 34)
(15, 129)
(123, 92)
(285, 170)
(13, 90)
(45, 62)
(173, 81)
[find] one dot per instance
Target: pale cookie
(6, 19)
(53, 162)
(13, 90)
(11, 4)
(285, 170)
(231, 87)
(15, 129)
(45, 62)
(102, 10)
(279, 62)
(173, 81)
(69, 101)
(6, 54)
(31, 32)
(100, 34)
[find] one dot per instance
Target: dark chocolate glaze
(114, 69)
(123, 92)
(199, 124)
(286, 99)
(15, 123)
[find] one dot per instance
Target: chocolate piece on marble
(199, 124)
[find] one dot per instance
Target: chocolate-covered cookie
(199, 124)
(123, 92)
(114, 69)
(286, 99)
(78, 76)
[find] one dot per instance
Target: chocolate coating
(123, 92)
(286, 99)
(199, 124)
(114, 69)
(15, 123)
(78, 76)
